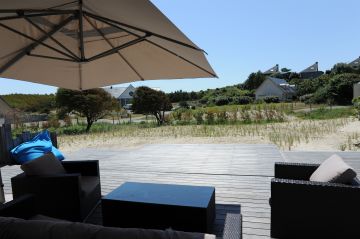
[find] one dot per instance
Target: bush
(219, 101)
(242, 100)
(271, 99)
(339, 90)
(184, 104)
(356, 103)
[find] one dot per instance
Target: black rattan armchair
(304, 209)
(70, 196)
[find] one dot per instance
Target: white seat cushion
(334, 170)
(47, 164)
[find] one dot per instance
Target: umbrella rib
(26, 50)
(50, 57)
(155, 44)
(181, 57)
(62, 5)
(29, 15)
(52, 38)
(116, 49)
(35, 40)
(145, 31)
(112, 46)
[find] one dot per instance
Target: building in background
(275, 87)
(272, 70)
(123, 94)
(6, 111)
(355, 64)
(311, 72)
(356, 90)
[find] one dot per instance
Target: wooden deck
(240, 173)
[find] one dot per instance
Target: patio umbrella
(85, 44)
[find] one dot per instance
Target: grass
(272, 123)
(285, 135)
(325, 113)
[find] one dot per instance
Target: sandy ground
(134, 142)
(345, 137)
(342, 140)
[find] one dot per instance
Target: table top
(164, 194)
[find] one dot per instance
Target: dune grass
(285, 135)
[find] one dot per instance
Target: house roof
(278, 81)
(355, 63)
(312, 68)
(272, 70)
(282, 84)
(116, 91)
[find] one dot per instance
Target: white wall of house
(356, 90)
(269, 88)
(127, 93)
(127, 96)
(5, 109)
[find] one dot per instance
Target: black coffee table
(160, 206)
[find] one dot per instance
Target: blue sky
(243, 36)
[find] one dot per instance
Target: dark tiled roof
(355, 63)
(283, 84)
(272, 70)
(312, 68)
(277, 80)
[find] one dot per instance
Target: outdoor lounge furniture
(18, 220)
(304, 209)
(160, 206)
(71, 196)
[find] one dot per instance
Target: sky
(244, 36)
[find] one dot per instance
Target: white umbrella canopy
(85, 44)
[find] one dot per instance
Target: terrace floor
(240, 173)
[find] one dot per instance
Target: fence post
(3, 152)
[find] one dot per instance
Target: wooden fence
(7, 142)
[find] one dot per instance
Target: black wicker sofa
(304, 209)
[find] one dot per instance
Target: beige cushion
(334, 170)
(45, 165)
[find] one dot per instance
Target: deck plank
(240, 173)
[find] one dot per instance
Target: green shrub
(242, 100)
(338, 90)
(271, 99)
(222, 100)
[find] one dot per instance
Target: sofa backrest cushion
(334, 170)
(13, 228)
(47, 164)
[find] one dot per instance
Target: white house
(5, 110)
(356, 90)
(275, 87)
(123, 94)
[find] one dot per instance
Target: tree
(92, 104)
(285, 70)
(254, 81)
(338, 90)
(149, 101)
(341, 68)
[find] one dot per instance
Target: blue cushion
(35, 148)
(57, 153)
